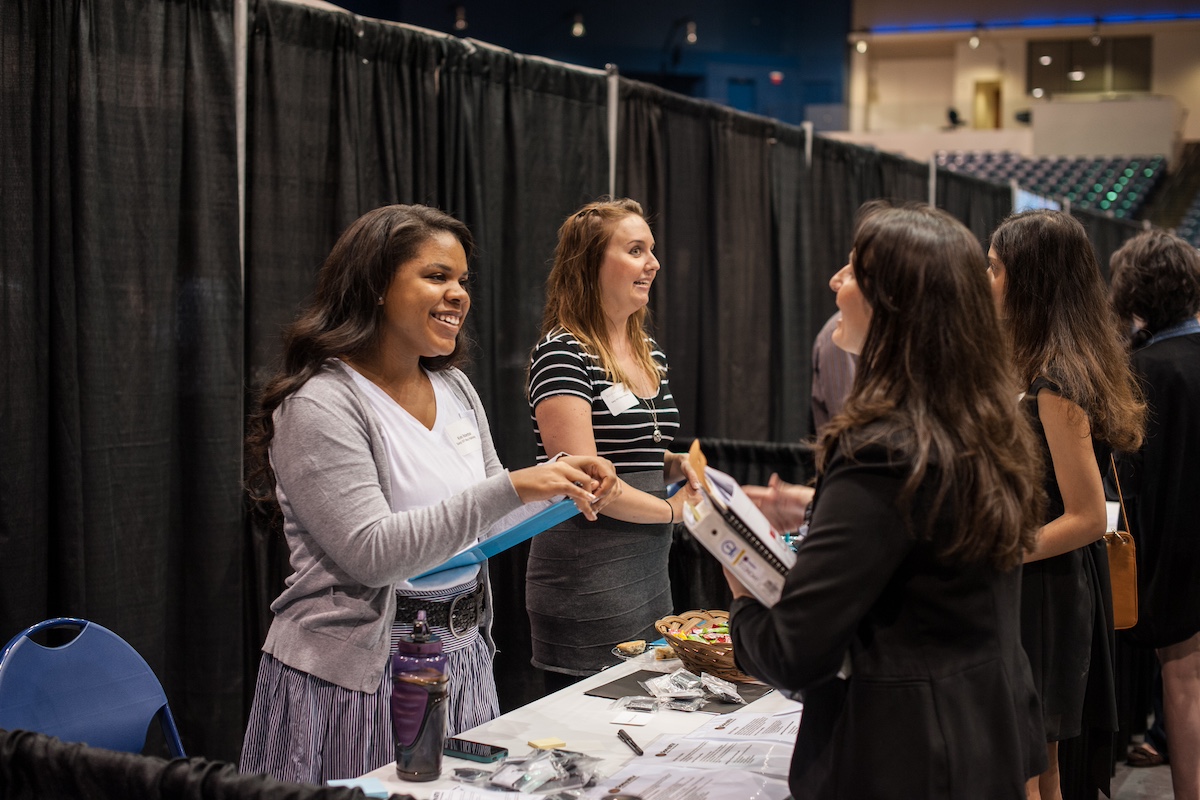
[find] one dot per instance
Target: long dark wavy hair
(343, 319)
(934, 379)
(573, 300)
(1061, 325)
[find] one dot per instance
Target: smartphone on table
(474, 751)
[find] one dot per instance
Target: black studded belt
(458, 614)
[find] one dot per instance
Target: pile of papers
(741, 755)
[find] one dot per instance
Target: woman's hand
(602, 471)
(737, 587)
(688, 493)
(590, 481)
(676, 467)
(782, 503)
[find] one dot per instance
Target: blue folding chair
(94, 689)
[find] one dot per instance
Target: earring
(380, 301)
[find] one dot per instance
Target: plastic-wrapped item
(636, 703)
(684, 703)
(677, 684)
(547, 772)
(721, 688)
(471, 776)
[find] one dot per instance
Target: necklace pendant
(657, 436)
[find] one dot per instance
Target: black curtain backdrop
(1107, 234)
(130, 339)
(723, 205)
(525, 145)
(791, 343)
(121, 338)
(841, 178)
(978, 204)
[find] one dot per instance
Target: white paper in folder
(728, 524)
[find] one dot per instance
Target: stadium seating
(1118, 186)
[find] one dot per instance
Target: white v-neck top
(428, 465)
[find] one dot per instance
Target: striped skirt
(306, 730)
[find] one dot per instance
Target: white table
(583, 723)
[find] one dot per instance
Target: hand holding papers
(728, 524)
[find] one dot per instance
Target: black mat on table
(629, 686)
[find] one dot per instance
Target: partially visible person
(371, 452)
(1083, 402)
(1153, 750)
(832, 375)
(900, 620)
(598, 385)
(1156, 289)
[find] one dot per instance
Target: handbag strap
(1120, 497)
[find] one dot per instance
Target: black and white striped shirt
(560, 366)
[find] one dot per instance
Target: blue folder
(524, 530)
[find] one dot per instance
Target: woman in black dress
(1082, 401)
(1156, 288)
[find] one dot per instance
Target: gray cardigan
(347, 548)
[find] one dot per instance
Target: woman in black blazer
(1156, 286)
(899, 621)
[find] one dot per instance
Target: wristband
(670, 508)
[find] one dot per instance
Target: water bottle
(419, 703)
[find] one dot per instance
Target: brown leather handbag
(1122, 568)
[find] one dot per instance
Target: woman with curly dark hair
(1083, 402)
(899, 621)
(373, 453)
(1156, 291)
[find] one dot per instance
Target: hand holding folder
(522, 531)
(728, 524)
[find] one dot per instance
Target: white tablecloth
(583, 723)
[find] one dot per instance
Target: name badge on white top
(618, 398)
(463, 436)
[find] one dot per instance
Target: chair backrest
(94, 689)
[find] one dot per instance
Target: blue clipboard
(522, 531)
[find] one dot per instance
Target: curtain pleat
(1106, 233)
(122, 331)
(980, 205)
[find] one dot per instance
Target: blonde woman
(598, 386)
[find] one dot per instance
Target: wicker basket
(715, 659)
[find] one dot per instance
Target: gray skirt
(591, 585)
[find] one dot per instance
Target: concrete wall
(1131, 126)
(920, 145)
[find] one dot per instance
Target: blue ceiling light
(1039, 22)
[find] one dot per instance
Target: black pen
(627, 739)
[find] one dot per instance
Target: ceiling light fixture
(861, 45)
(577, 29)
(1037, 92)
(973, 42)
(691, 32)
(1075, 75)
(460, 18)
(1045, 61)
